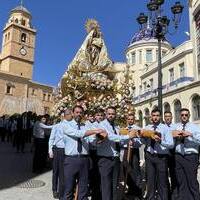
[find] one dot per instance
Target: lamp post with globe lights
(159, 25)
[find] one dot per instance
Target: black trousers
(3, 134)
(40, 155)
(75, 171)
(157, 176)
(109, 168)
(134, 177)
(172, 175)
(94, 177)
(20, 140)
(186, 174)
(58, 170)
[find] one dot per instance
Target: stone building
(18, 92)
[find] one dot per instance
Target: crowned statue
(90, 79)
(92, 55)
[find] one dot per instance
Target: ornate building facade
(18, 92)
(181, 72)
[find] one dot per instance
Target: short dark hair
(39, 117)
(184, 109)
(167, 112)
(67, 111)
(111, 107)
(155, 110)
(99, 110)
(130, 114)
(77, 106)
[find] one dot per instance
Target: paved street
(16, 176)
(16, 180)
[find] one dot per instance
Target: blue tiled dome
(143, 34)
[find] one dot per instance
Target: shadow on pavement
(15, 168)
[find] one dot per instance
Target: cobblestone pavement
(15, 176)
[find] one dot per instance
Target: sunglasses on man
(186, 115)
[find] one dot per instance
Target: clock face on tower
(23, 51)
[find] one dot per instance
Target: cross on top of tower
(21, 2)
(21, 8)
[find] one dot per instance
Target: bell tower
(18, 45)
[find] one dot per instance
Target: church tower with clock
(18, 44)
(19, 93)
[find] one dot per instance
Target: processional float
(91, 80)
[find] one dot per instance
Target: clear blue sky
(60, 29)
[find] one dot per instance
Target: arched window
(147, 116)
(23, 22)
(49, 97)
(167, 107)
(177, 109)
(196, 107)
(23, 37)
(140, 118)
(5, 39)
(16, 20)
(8, 35)
(33, 92)
(44, 97)
(8, 89)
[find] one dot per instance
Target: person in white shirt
(108, 155)
(134, 177)
(93, 120)
(171, 160)
(56, 152)
(187, 141)
(39, 158)
(156, 158)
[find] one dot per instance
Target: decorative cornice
(170, 93)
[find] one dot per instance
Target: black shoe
(55, 195)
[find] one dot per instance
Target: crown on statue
(91, 24)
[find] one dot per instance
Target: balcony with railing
(151, 93)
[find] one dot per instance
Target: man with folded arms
(187, 141)
(156, 157)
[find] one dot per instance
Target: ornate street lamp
(142, 19)
(159, 25)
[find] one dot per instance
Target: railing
(166, 88)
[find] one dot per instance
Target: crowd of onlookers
(20, 130)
